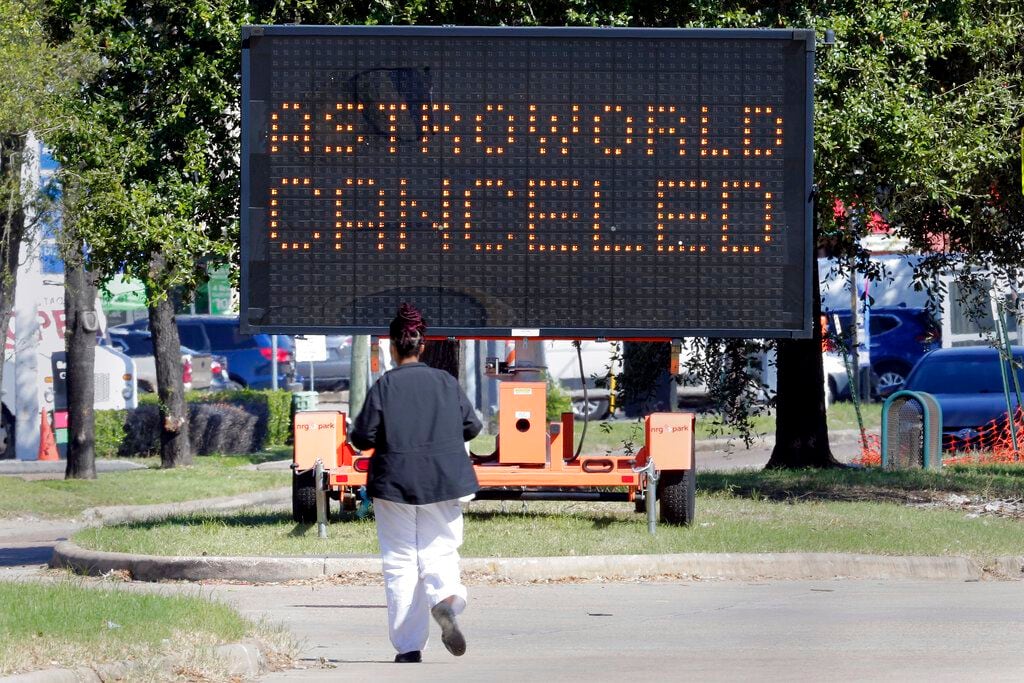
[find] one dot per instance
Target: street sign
(219, 291)
(620, 183)
(59, 367)
(310, 348)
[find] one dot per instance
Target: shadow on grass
(270, 454)
(249, 518)
(270, 518)
(600, 521)
(867, 484)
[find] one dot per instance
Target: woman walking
(417, 420)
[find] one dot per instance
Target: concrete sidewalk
(54, 469)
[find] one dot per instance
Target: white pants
(419, 545)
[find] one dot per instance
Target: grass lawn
(872, 483)
(743, 512)
(67, 624)
(611, 435)
(209, 477)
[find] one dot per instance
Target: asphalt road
(707, 631)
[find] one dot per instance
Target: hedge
(242, 421)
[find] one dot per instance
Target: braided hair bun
(407, 330)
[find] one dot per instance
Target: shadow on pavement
(16, 557)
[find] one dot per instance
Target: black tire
(7, 448)
(594, 409)
(677, 490)
(640, 505)
(890, 377)
(304, 497)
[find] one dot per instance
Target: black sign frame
(256, 314)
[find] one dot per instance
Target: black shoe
(451, 636)
(411, 657)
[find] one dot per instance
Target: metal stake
(652, 487)
(321, 499)
(1005, 358)
(650, 496)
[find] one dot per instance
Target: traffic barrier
(47, 442)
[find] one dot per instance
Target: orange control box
(522, 423)
(319, 434)
(669, 440)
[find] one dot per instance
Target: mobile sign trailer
(526, 184)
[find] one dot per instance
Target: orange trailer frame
(534, 459)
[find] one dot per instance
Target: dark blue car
(248, 356)
(968, 384)
(900, 336)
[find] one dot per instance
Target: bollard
(321, 499)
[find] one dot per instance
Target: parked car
(968, 385)
(563, 367)
(220, 379)
(334, 373)
(248, 357)
(837, 382)
(199, 370)
(899, 337)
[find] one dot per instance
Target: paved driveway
(792, 631)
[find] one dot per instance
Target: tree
(36, 76)
(919, 108)
(156, 150)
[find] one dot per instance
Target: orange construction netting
(992, 444)
(870, 451)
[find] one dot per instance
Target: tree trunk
(175, 449)
(80, 314)
(801, 432)
(12, 230)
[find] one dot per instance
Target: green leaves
(154, 147)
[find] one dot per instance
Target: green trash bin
(911, 431)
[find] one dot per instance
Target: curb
(245, 660)
(723, 566)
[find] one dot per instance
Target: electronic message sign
(618, 183)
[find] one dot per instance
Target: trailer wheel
(640, 505)
(676, 492)
(304, 497)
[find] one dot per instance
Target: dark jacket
(417, 420)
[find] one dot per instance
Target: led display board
(584, 183)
